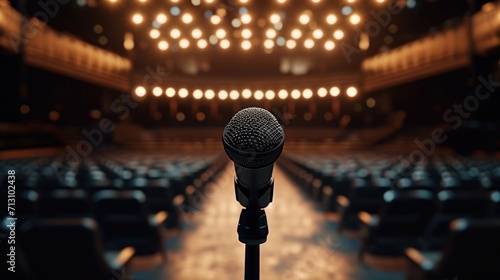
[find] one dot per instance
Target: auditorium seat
(70, 249)
(66, 204)
(472, 251)
(452, 205)
(398, 224)
(364, 196)
(495, 198)
(125, 221)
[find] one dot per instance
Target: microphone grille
(253, 138)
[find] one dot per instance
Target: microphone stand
(252, 225)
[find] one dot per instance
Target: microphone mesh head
(253, 138)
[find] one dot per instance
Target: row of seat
(389, 217)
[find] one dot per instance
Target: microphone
(253, 139)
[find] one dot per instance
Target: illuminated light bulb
(161, 18)
(322, 92)
(184, 43)
(163, 45)
(318, 34)
(246, 33)
(175, 33)
(291, 44)
(246, 93)
(351, 91)
(197, 94)
(355, 19)
(202, 43)
(331, 19)
(295, 94)
(274, 18)
(268, 44)
(246, 19)
(215, 19)
(334, 91)
(222, 95)
(338, 34)
(183, 93)
(196, 33)
(307, 93)
(271, 33)
(309, 43)
(296, 33)
(187, 18)
(258, 95)
(170, 92)
(225, 44)
(157, 91)
(137, 18)
(140, 91)
(220, 33)
(304, 19)
(209, 94)
(234, 94)
(154, 33)
(283, 94)
(270, 95)
(329, 45)
(246, 45)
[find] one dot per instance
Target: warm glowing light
(137, 18)
(234, 94)
(161, 18)
(140, 91)
(202, 43)
(370, 102)
(354, 19)
(309, 43)
(196, 33)
(331, 19)
(246, 33)
(283, 94)
(322, 92)
(54, 115)
(220, 33)
(295, 94)
(163, 45)
(315, 1)
(246, 45)
(197, 94)
(209, 94)
(183, 93)
(222, 95)
(271, 33)
(25, 109)
(184, 43)
(268, 44)
(270, 95)
(291, 44)
(157, 91)
(281, 1)
(246, 19)
(304, 19)
(180, 116)
(170, 92)
(187, 18)
(334, 91)
(307, 93)
(274, 18)
(338, 34)
(329, 45)
(351, 1)
(246, 93)
(296, 33)
(215, 19)
(380, 1)
(351, 91)
(243, 1)
(175, 33)
(258, 94)
(154, 33)
(318, 34)
(225, 44)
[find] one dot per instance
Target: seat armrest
(342, 202)
(368, 220)
(327, 191)
(159, 218)
(119, 259)
(426, 261)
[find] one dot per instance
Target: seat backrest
(470, 204)
(405, 212)
(64, 249)
(472, 251)
(66, 204)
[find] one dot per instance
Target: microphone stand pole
(252, 225)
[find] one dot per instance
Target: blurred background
(113, 114)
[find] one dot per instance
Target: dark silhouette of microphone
(253, 139)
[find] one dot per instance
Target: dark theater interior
(250, 139)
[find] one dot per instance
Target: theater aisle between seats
(302, 243)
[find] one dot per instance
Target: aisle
(302, 244)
